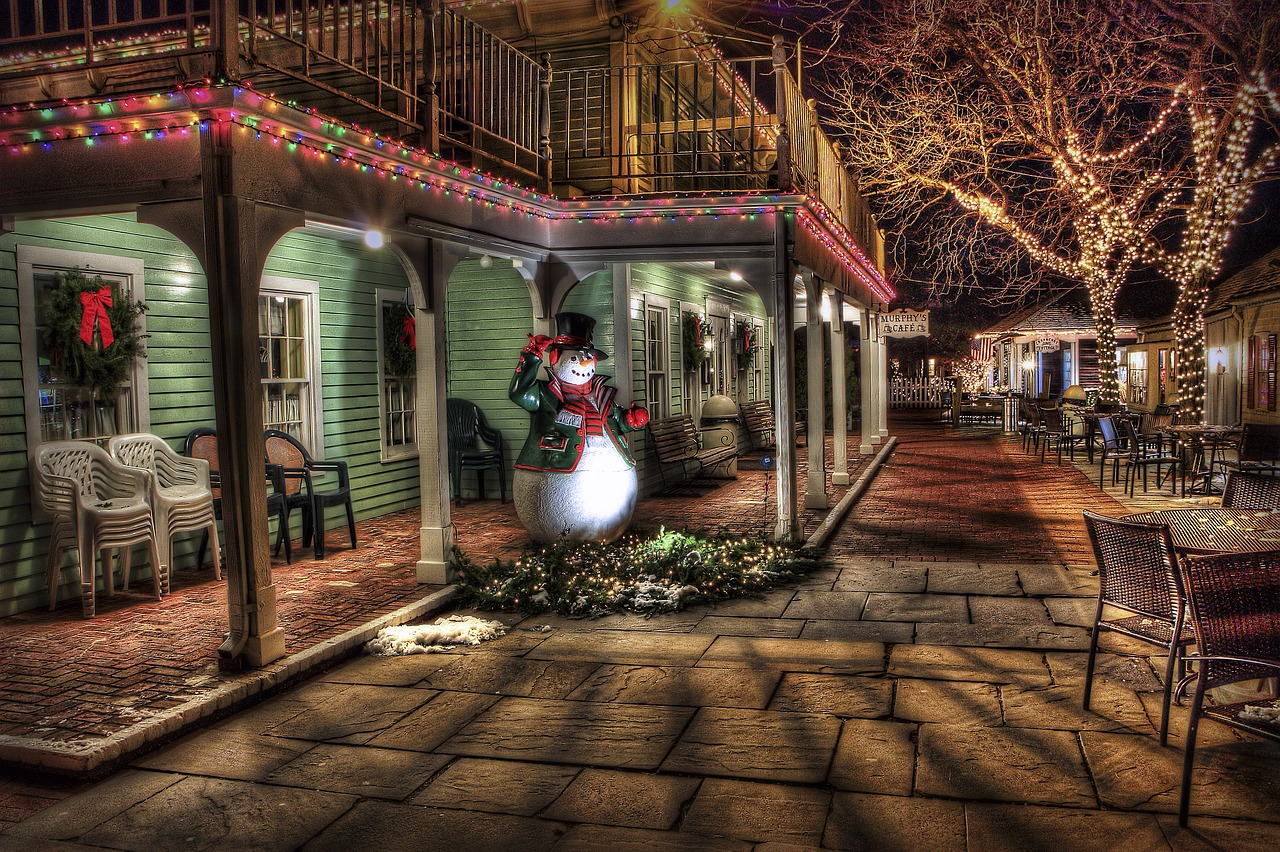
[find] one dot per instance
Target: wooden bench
(675, 441)
(757, 416)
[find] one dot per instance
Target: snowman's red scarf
(591, 400)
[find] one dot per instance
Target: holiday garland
(92, 333)
(399, 340)
(745, 344)
(696, 330)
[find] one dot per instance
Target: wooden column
(815, 492)
(787, 527)
(869, 419)
(839, 400)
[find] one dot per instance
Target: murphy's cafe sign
(903, 324)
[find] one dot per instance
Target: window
(1138, 377)
(289, 355)
(1261, 380)
(657, 357)
(56, 410)
(397, 365)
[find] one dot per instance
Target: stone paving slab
(1003, 764)
(868, 822)
(888, 606)
(795, 655)
(496, 786)
(689, 687)
(624, 736)
(758, 812)
(433, 723)
(836, 695)
(777, 628)
(990, 665)
(497, 674)
(1021, 612)
(395, 827)
(387, 671)
(1135, 773)
(1013, 636)
(970, 578)
(1133, 673)
(234, 754)
(219, 814)
(1078, 612)
(883, 576)
(1033, 827)
(1207, 834)
(593, 838)
(1058, 580)
(1111, 708)
(609, 646)
(378, 773)
(756, 744)
(356, 714)
(827, 604)
(72, 818)
(770, 604)
(874, 757)
(888, 632)
(946, 701)
(629, 799)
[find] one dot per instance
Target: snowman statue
(575, 476)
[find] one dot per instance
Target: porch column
(882, 387)
(622, 375)
(839, 401)
(868, 422)
(435, 532)
(815, 493)
(787, 527)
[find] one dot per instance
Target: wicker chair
(1138, 575)
(1251, 491)
(300, 471)
(1235, 607)
(94, 503)
(181, 498)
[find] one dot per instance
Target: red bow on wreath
(409, 332)
(95, 310)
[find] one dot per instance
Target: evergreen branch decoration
(695, 331)
(399, 340)
(649, 575)
(745, 344)
(103, 364)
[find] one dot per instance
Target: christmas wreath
(745, 344)
(92, 333)
(696, 331)
(399, 340)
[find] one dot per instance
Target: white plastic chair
(181, 498)
(95, 504)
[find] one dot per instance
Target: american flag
(982, 349)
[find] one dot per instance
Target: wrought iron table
(1213, 529)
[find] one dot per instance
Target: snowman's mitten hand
(637, 417)
(537, 344)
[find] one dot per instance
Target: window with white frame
(657, 357)
(57, 409)
(289, 356)
(397, 365)
(1138, 376)
(758, 362)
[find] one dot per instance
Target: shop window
(397, 365)
(55, 408)
(657, 357)
(1261, 378)
(1138, 377)
(289, 356)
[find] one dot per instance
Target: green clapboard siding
(180, 375)
(489, 317)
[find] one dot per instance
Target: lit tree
(1034, 117)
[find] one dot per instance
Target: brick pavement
(921, 692)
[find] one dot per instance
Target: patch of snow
(444, 635)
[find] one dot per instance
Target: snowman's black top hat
(573, 331)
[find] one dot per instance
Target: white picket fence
(918, 392)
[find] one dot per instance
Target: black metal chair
(1112, 448)
(1137, 574)
(202, 443)
(302, 491)
(1235, 608)
(1256, 451)
(1251, 491)
(1144, 454)
(467, 432)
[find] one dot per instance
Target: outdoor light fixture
(825, 308)
(1028, 364)
(1219, 360)
(734, 275)
(486, 262)
(709, 344)
(373, 238)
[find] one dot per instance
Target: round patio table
(1191, 440)
(1213, 529)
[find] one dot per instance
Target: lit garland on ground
(662, 573)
